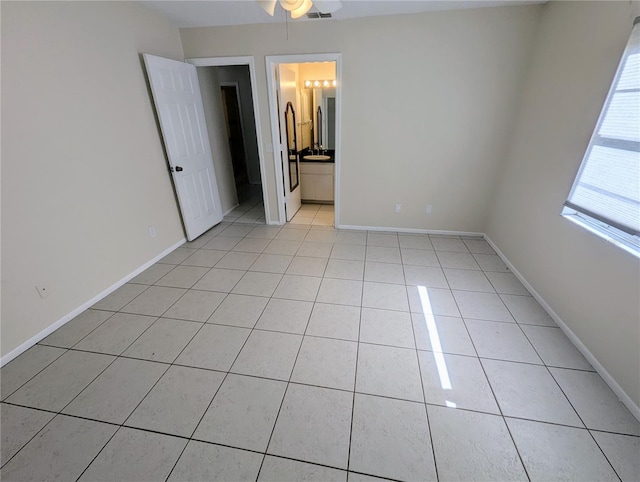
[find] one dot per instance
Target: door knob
(178, 169)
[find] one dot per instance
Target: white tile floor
(307, 353)
(315, 215)
(251, 209)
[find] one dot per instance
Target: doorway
(235, 147)
(231, 111)
(312, 151)
(235, 130)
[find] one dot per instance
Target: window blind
(607, 186)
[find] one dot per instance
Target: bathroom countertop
(328, 152)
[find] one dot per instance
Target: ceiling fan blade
(268, 6)
(327, 6)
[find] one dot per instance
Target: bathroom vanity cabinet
(316, 181)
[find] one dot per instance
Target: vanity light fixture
(320, 83)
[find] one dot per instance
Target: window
(605, 197)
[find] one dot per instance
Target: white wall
(428, 104)
(84, 174)
(317, 71)
(83, 170)
(214, 116)
(592, 286)
(240, 74)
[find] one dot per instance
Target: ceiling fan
(297, 8)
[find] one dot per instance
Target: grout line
(59, 412)
(582, 420)
(98, 453)
(224, 378)
(424, 396)
(124, 425)
(216, 391)
(325, 337)
(355, 380)
(290, 373)
(34, 435)
(566, 398)
(125, 420)
(66, 350)
(308, 231)
(495, 398)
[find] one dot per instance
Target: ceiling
(184, 14)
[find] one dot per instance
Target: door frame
(272, 62)
(250, 62)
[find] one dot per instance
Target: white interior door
(288, 93)
(178, 102)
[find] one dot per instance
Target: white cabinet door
(308, 186)
(324, 188)
(317, 181)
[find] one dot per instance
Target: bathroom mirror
(292, 146)
(324, 107)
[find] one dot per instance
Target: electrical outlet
(42, 291)
(152, 231)
(398, 207)
(429, 208)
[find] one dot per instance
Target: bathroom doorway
(317, 137)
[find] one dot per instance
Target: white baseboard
(70, 316)
(409, 230)
(609, 380)
(230, 209)
(606, 376)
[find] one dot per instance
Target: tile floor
(308, 353)
(250, 209)
(314, 215)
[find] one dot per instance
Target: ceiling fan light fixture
(302, 9)
(298, 8)
(268, 6)
(291, 5)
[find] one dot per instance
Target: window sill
(607, 234)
